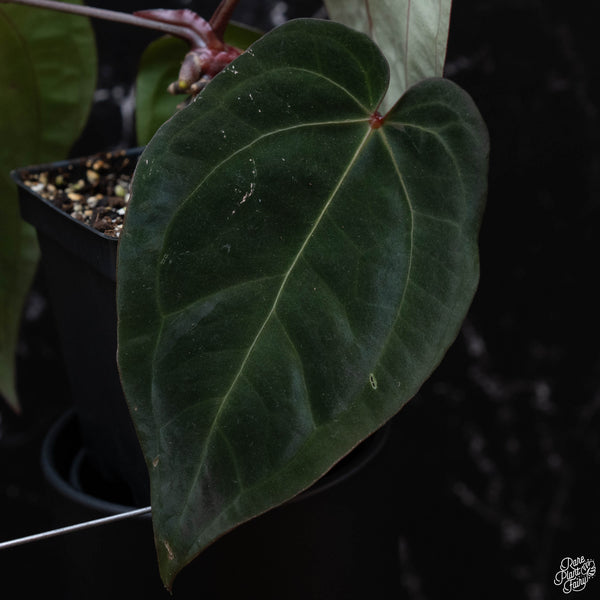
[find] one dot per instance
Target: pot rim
(17, 175)
(60, 482)
(341, 471)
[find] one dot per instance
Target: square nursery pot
(80, 268)
(336, 540)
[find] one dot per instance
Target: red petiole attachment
(201, 63)
(376, 120)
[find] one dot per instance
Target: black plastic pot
(331, 542)
(80, 268)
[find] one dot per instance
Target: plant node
(376, 120)
(204, 61)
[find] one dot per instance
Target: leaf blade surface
(48, 70)
(261, 290)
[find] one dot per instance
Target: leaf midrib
(270, 315)
(223, 162)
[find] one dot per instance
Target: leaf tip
(9, 394)
(167, 564)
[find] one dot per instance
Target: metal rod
(116, 16)
(72, 528)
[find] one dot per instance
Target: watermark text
(574, 573)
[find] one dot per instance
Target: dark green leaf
(48, 75)
(158, 68)
(241, 36)
(289, 274)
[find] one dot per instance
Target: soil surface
(93, 190)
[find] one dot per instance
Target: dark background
(493, 468)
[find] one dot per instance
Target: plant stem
(118, 17)
(222, 16)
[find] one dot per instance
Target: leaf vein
(271, 312)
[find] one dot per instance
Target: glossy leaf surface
(291, 271)
(48, 75)
(412, 35)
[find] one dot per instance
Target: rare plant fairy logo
(574, 573)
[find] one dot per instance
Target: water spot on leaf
(248, 193)
(373, 381)
(254, 171)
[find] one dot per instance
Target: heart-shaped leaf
(48, 76)
(292, 269)
(412, 36)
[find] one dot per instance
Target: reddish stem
(222, 16)
(180, 31)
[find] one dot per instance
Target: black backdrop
(493, 468)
